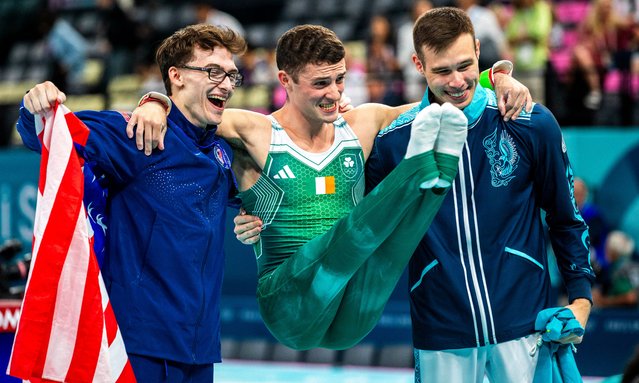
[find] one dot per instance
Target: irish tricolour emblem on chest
(349, 165)
(502, 154)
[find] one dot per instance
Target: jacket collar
(473, 111)
(201, 137)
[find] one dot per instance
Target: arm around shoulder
(245, 126)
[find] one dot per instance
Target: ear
(284, 79)
(477, 48)
(175, 77)
(419, 66)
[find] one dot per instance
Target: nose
(335, 91)
(226, 83)
(456, 80)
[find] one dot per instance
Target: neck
(312, 136)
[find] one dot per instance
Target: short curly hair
(307, 44)
(177, 49)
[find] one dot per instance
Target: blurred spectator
(70, 48)
(381, 62)
(597, 226)
(67, 47)
(414, 82)
(124, 40)
(631, 371)
(381, 50)
(151, 78)
(378, 91)
(604, 35)
(621, 291)
(258, 66)
(528, 32)
(492, 41)
(355, 81)
(207, 13)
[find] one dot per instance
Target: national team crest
(221, 157)
(503, 157)
(349, 165)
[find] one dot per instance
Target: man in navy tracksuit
(479, 277)
(164, 261)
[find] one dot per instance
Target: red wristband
(156, 97)
(148, 98)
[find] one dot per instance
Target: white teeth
(327, 106)
(457, 94)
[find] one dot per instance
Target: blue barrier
(611, 335)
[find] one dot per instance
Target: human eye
(216, 73)
(441, 72)
(464, 67)
(340, 79)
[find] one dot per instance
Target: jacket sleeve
(26, 129)
(554, 188)
(108, 146)
(388, 151)
(374, 167)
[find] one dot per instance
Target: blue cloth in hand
(556, 362)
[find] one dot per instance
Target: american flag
(67, 330)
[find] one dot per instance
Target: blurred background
(580, 58)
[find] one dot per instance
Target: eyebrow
(217, 66)
(323, 78)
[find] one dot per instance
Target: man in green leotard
(329, 259)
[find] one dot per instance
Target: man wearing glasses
(164, 261)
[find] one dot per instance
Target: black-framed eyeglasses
(218, 74)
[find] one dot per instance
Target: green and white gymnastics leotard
(328, 259)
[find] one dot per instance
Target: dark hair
(438, 28)
(307, 44)
(177, 49)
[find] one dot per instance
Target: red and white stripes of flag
(67, 330)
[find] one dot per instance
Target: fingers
(345, 104)
(513, 102)
(571, 339)
(158, 137)
(148, 141)
(130, 126)
(150, 124)
(247, 228)
(529, 103)
(139, 134)
(249, 237)
(42, 97)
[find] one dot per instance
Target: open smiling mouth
(218, 102)
(327, 107)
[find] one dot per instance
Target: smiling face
(316, 91)
(452, 74)
(200, 99)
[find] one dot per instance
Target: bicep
(242, 125)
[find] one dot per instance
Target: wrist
(582, 302)
(159, 98)
(487, 77)
(503, 66)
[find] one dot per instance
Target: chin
(216, 119)
(332, 115)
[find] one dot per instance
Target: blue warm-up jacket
(480, 274)
(164, 257)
